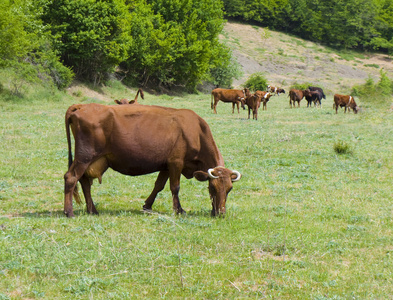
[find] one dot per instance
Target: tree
(15, 41)
(178, 41)
(91, 36)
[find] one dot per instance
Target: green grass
(304, 222)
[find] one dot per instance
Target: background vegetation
(166, 43)
(358, 24)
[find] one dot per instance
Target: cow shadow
(111, 212)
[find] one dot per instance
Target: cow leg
(233, 107)
(174, 180)
(159, 185)
(249, 112)
(237, 103)
(86, 183)
(215, 105)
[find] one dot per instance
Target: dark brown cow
(313, 96)
(139, 139)
(275, 90)
(265, 97)
(315, 88)
(346, 101)
(296, 96)
(126, 101)
(229, 95)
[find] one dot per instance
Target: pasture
(304, 222)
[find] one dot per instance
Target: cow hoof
(147, 209)
(181, 211)
(69, 214)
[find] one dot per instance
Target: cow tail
(70, 159)
(212, 101)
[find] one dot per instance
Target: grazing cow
(314, 88)
(265, 97)
(125, 101)
(313, 96)
(275, 90)
(296, 96)
(345, 101)
(229, 95)
(139, 139)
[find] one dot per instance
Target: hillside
(285, 59)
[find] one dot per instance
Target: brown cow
(275, 90)
(345, 101)
(253, 102)
(265, 96)
(296, 96)
(229, 95)
(126, 101)
(139, 139)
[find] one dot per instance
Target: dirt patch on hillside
(285, 59)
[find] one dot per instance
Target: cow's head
(353, 105)
(220, 184)
(246, 92)
(242, 102)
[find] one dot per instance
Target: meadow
(304, 222)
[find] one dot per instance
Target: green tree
(177, 41)
(91, 36)
(15, 41)
(25, 47)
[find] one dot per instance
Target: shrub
(341, 147)
(301, 86)
(256, 82)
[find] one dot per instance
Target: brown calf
(229, 95)
(296, 96)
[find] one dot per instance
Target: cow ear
(117, 102)
(201, 176)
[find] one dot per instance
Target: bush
(256, 82)
(300, 86)
(341, 147)
(378, 92)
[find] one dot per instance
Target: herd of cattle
(253, 101)
(135, 139)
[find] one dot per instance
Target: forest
(167, 43)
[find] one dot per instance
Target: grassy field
(304, 222)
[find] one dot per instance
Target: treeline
(156, 42)
(356, 24)
(166, 42)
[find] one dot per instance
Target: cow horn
(210, 174)
(238, 175)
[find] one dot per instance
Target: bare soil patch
(285, 60)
